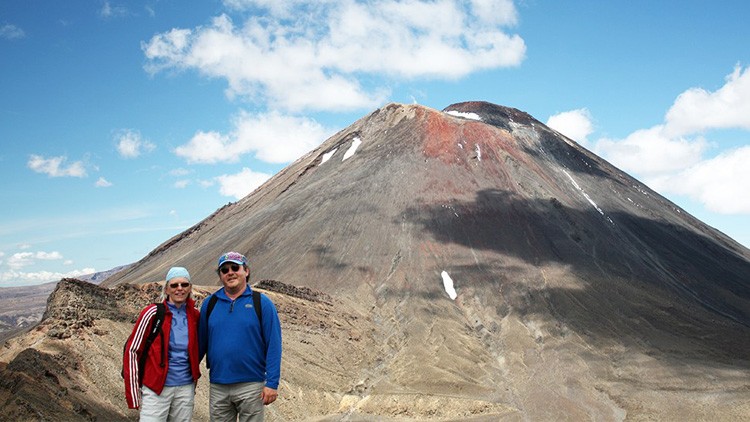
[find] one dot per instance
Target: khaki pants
(228, 401)
(175, 404)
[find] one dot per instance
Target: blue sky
(124, 123)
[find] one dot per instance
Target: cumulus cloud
(673, 157)
(272, 137)
(297, 53)
(207, 148)
(24, 259)
(55, 166)
(720, 183)
(241, 184)
(652, 152)
(575, 124)
(130, 144)
(11, 32)
(698, 110)
(20, 278)
(102, 183)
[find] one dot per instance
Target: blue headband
(175, 272)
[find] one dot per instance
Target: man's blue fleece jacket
(232, 343)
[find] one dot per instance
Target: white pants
(228, 401)
(175, 404)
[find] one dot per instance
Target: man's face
(233, 275)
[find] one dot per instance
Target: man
(243, 356)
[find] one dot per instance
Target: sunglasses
(225, 269)
(184, 285)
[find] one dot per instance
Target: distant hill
(22, 307)
(99, 277)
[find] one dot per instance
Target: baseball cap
(235, 257)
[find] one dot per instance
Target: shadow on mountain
(653, 285)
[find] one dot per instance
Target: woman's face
(178, 290)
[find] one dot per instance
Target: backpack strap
(259, 313)
(155, 331)
(210, 307)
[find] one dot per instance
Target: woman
(165, 375)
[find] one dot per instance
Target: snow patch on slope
(448, 285)
(471, 116)
(327, 156)
(352, 149)
(588, 198)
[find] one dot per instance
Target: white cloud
(24, 259)
(207, 148)
(109, 10)
(272, 137)
(720, 183)
(697, 110)
(18, 278)
(575, 124)
(277, 138)
(300, 52)
(130, 144)
(651, 152)
(102, 183)
(11, 32)
(241, 184)
(502, 12)
(181, 184)
(53, 167)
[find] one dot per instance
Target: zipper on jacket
(231, 306)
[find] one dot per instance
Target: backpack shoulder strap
(256, 305)
(259, 313)
(156, 324)
(210, 307)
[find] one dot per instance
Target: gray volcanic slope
(581, 292)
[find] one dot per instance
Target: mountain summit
(504, 270)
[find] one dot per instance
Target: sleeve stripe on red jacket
(138, 336)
